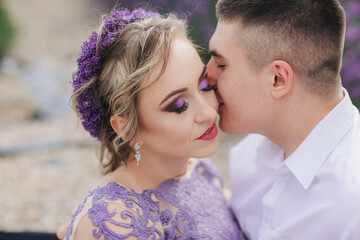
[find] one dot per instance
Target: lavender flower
(350, 72)
(89, 66)
(352, 33)
(352, 10)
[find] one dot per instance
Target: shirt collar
(270, 154)
(308, 158)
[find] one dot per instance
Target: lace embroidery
(178, 209)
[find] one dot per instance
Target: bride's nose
(206, 108)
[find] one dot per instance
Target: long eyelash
(182, 108)
(208, 86)
(177, 106)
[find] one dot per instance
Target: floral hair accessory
(89, 66)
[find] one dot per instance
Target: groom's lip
(220, 103)
(219, 99)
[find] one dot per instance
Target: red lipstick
(210, 133)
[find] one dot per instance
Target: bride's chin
(210, 150)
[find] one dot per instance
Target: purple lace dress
(184, 208)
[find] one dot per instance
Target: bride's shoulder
(206, 168)
(109, 211)
(206, 164)
(107, 219)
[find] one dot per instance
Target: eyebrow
(173, 93)
(218, 55)
(181, 90)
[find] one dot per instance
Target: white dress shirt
(313, 194)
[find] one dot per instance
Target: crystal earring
(137, 153)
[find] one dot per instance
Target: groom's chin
(230, 127)
(223, 126)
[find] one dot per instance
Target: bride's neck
(151, 172)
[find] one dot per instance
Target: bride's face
(178, 112)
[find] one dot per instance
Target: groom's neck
(297, 118)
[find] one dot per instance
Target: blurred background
(47, 161)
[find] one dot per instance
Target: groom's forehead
(217, 43)
(226, 33)
(224, 47)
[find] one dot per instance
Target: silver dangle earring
(137, 153)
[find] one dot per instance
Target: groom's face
(240, 90)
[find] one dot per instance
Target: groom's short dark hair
(308, 34)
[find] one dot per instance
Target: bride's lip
(210, 133)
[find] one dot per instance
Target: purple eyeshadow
(180, 102)
(204, 83)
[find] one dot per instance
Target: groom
(277, 68)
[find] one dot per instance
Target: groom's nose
(212, 71)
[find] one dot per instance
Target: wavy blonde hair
(125, 68)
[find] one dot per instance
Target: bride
(141, 89)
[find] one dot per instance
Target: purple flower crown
(89, 65)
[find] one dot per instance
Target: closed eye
(178, 106)
(205, 86)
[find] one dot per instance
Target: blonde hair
(125, 70)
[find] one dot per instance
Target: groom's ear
(283, 78)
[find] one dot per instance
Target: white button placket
(270, 199)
